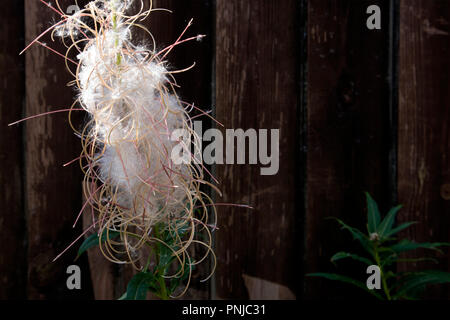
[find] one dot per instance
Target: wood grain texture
(53, 193)
(348, 128)
(424, 117)
(195, 85)
(12, 222)
(257, 49)
(109, 280)
(257, 87)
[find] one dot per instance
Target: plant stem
(383, 279)
(162, 283)
(114, 21)
(159, 274)
(160, 271)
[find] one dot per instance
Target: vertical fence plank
(348, 130)
(12, 222)
(109, 280)
(424, 117)
(195, 85)
(257, 47)
(53, 193)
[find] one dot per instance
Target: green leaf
(123, 297)
(373, 214)
(389, 274)
(419, 280)
(183, 229)
(418, 260)
(344, 255)
(357, 235)
(341, 278)
(139, 285)
(169, 237)
(93, 240)
(407, 245)
(387, 223)
(175, 282)
(394, 258)
(166, 256)
(399, 228)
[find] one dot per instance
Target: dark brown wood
(424, 117)
(348, 140)
(109, 280)
(257, 87)
(195, 85)
(53, 193)
(12, 222)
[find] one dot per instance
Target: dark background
(359, 110)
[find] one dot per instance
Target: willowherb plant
(139, 196)
(384, 250)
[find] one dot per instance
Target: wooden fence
(358, 109)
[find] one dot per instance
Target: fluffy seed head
(133, 110)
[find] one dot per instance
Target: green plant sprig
(163, 253)
(384, 250)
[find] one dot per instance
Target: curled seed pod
(133, 182)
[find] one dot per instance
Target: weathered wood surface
(52, 192)
(195, 85)
(12, 222)
(348, 141)
(424, 117)
(109, 280)
(257, 87)
(336, 142)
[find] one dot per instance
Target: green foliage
(139, 285)
(384, 249)
(155, 280)
(338, 277)
(94, 240)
